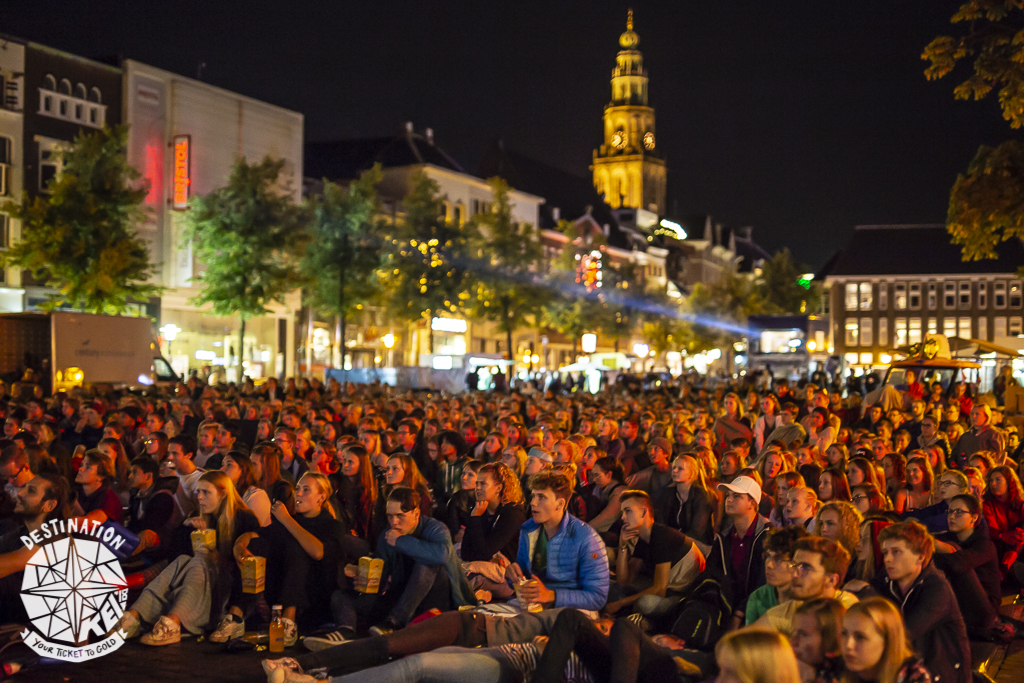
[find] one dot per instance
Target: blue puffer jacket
(577, 563)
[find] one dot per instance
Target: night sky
(802, 119)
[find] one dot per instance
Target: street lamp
(170, 332)
(389, 342)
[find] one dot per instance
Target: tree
(619, 311)
(248, 237)
(782, 289)
(571, 309)
(507, 288)
(986, 205)
(344, 251)
(427, 270)
(716, 314)
(81, 237)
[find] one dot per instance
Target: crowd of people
(780, 533)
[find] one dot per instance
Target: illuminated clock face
(649, 140)
(619, 139)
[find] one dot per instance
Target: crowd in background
(757, 533)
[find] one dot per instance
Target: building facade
(893, 284)
(184, 137)
(628, 169)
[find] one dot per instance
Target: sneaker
(229, 627)
(291, 632)
(130, 624)
(317, 643)
(381, 630)
(269, 665)
(166, 632)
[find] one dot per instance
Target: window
(94, 115)
(79, 111)
(80, 91)
(866, 337)
(5, 234)
(865, 296)
(883, 296)
(983, 328)
(49, 167)
(914, 336)
(474, 206)
(901, 331)
(965, 295)
(949, 327)
(851, 332)
(65, 87)
(1015, 295)
(5, 151)
(851, 296)
(915, 295)
(999, 294)
(901, 296)
(933, 325)
(63, 108)
(49, 82)
(883, 331)
(48, 103)
(94, 96)
(998, 327)
(949, 298)
(964, 331)
(932, 296)
(458, 218)
(982, 295)
(1015, 326)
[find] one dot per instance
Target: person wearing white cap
(737, 554)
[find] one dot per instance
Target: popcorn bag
(254, 572)
(204, 539)
(370, 570)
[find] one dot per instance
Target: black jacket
(489, 534)
(719, 565)
(694, 517)
(934, 624)
(978, 552)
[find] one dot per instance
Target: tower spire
(629, 20)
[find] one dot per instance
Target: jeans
(446, 665)
(427, 587)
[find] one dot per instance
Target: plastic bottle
(276, 629)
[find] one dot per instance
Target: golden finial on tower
(629, 39)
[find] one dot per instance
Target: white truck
(74, 349)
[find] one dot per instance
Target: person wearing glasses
(950, 483)
(819, 569)
(967, 555)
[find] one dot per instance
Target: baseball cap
(743, 485)
(540, 454)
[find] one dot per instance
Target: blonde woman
(514, 457)
(875, 648)
(181, 596)
(755, 656)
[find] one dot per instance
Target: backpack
(702, 618)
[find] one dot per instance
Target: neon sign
(182, 170)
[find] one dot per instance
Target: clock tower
(628, 169)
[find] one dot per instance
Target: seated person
(778, 555)
(801, 506)
(493, 528)
(967, 556)
(302, 555)
(95, 492)
(874, 640)
(815, 639)
(935, 626)
(686, 504)
(948, 484)
(656, 477)
(654, 564)
(40, 500)
(819, 568)
(421, 570)
(737, 555)
(181, 595)
(150, 508)
(563, 558)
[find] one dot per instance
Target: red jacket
(1003, 519)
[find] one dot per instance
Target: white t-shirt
(257, 500)
(185, 498)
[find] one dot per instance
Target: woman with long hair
(861, 471)
(608, 481)
(756, 656)
(114, 449)
(836, 456)
(771, 417)
(875, 647)
(1004, 511)
(687, 504)
(732, 425)
(463, 501)
(815, 639)
(917, 493)
(894, 466)
(242, 473)
(494, 445)
(869, 560)
(181, 595)
(325, 457)
(833, 485)
(357, 489)
(266, 462)
(401, 471)
(514, 457)
(783, 483)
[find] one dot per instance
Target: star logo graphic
(70, 589)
